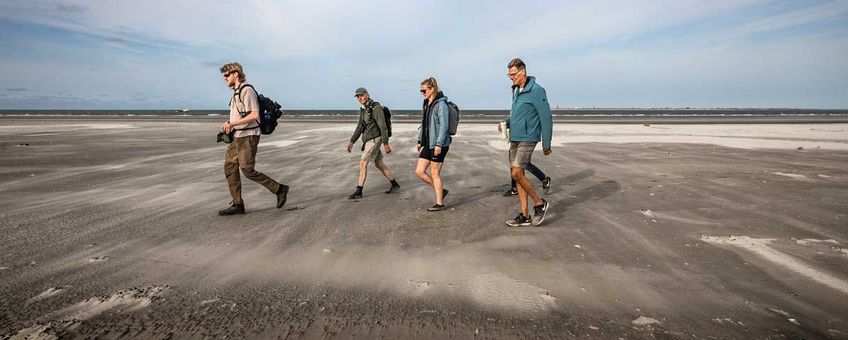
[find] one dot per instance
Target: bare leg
(363, 172)
(384, 169)
(524, 188)
(435, 170)
(421, 171)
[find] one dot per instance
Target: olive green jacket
(371, 124)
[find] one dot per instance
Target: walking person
(546, 181)
(374, 131)
(433, 140)
(243, 124)
(530, 122)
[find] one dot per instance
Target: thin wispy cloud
(312, 54)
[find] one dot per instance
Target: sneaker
(394, 188)
(518, 221)
(436, 207)
(233, 209)
(546, 185)
(356, 195)
(510, 192)
(282, 194)
(539, 212)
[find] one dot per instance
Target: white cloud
(316, 52)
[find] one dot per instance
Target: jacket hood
(439, 97)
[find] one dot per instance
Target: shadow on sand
(594, 192)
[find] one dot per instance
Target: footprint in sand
(421, 286)
(98, 259)
(648, 213)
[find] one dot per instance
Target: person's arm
(252, 116)
(444, 124)
(510, 108)
(543, 108)
(360, 126)
(421, 129)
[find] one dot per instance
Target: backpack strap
(237, 94)
(370, 109)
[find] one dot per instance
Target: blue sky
(101, 54)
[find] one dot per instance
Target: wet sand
(109, 229)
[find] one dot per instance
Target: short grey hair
(517, 63)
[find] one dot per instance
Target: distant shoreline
(573, 116)
(798, 119)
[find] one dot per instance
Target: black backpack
(269, 111)
(453, 120)
(386, 113)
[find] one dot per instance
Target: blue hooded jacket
(530, 118)
(438, 124)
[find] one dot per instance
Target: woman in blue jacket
(433, 140)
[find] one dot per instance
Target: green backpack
(386, 113)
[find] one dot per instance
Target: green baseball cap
(359, 91)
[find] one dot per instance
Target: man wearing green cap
(374, 131)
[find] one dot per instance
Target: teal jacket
(438, 123)
(530, 117)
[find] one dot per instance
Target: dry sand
(109, 229)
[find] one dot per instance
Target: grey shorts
(372, 151)
(520, 153)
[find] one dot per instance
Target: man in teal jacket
(529, 123)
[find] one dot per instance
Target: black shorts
(427, 154)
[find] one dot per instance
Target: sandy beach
(687, 231)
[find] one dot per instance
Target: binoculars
(225, 137)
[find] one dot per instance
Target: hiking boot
(518, 221)
(510, 192)
(546, 185)
(394, 188)
(356, 194)
(436, 207)
(234, 209)
(539, 212)
(282, 192)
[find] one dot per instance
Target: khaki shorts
(520, 154)
(372, 151)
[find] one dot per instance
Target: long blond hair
(431, 82)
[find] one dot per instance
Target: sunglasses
(423, 91)
(226, 75)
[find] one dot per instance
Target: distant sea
(561, 115)
(677, 112)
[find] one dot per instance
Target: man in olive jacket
(374, 131)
